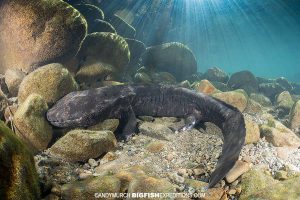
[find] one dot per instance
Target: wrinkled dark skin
(86, 108)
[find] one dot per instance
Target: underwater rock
(284, 101)
(81, 145)
(243, 80)
(90, 13)
(294, 119)
(87, 189)
(93, 72)
(31, 124)
(155, 130)
(106, 125)
(101, 26)
(51, 81)
(216, 74)
(163, 77)
(142, 77)
(253, 181)
(270, 90)
(278, 134)
(147, 184)
(3, 103)
(283, 82)
(253, 107)
(137, 48)
(261, 99)
(288, 189)
(174, 58)
(221, 86)
(13, 79)
(123, 28)
(34, 33)
(252, 130)
(239, 168)
(105, 47)
(296, 88)
(18, 177)
(3, 86)
(205, 87)
(237, 98)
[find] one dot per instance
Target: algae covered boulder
(13, 79)
(205, 87)
(237, 98)
(31, 124)
(285, 101)
(34, 33)
(216, 74)
(80, 145)
(123, 28)
(18, 176)
(137, 48)
(243, 80)
(51, 81)
(101, 26)
(105, 47)
(174, 57)
(295, 116)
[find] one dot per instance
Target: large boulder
(237, 98)
(13, 79)
(34, 33)
(284, 83)
(31, 124)
(51, 81)
(205, 86)
(101, 26)
(123, 28)
(243, 80)
(284, 101)
(261, 99)
(270, 90)
(90, 13)
(216, 74)
(105, 47)
(81, 145)
(173, 57)
(18, 177)
(295, 116)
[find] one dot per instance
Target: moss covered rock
(216, 74)
(236, 98)
(142, 77)
(261, 99)
(137, 48)
(244, 80)
(51, 81)
(205, 87)
(253, 181)
(105, 47)
(3, 103)
(123, 28)
(106, 125)
(18, 176)
(90, 188)
(34, 33)
(295, 116)
(80, 145)
(174, 58)
(252, 130)
(101, 26)
(285, 101)
(31, 124)
(13, 79)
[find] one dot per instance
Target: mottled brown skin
(85, 108)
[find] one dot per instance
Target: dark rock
(284, 83)
(243, 80)
(263, 80)
(18, 177)
(137, 48)
(34, 33)
(3, 85)
(123, 28)
(270, 90)
(221, 86)
(216, 74)
(296, 88)
(174, 58)
(105, 47)
(99, 25)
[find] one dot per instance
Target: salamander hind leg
(190, 121)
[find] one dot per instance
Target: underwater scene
(150, 99)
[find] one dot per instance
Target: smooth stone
(237, 170)
(236, 98)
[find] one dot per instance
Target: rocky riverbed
(79, 51)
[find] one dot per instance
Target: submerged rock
(106, 125)
(270, 90)
(105, 47)
(205, 87)
(99, 25)
(252, 130)
(123, 28)
(243, 80)
(34, 33)
(51, 81)
(261, 99)
(3, 103)
(239, 168)
(13, 79)
(142, 77)
(237, 98)
(284, 83)
(155, 130)
(163, 77)
(80, 145)
(294, 118)
(18, 177)
(137, 48)
(174, 58)
(216, 74)
(253, 181)
(285, 101)
(31, 124)
(278, 134)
